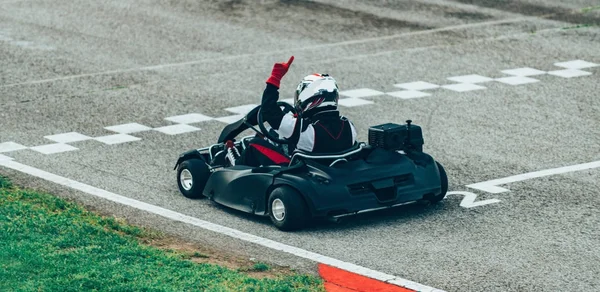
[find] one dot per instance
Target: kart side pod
(394, 137)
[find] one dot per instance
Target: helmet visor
(317, 87)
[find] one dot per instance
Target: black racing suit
(323, 132)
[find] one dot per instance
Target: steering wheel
(272, 135)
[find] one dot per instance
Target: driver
(317, 127)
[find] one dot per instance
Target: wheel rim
(278, 209)
(186, 179)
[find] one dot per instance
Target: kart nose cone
(186, 179)
(278, 209)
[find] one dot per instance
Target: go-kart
(390, 170)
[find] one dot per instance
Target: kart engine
(396, 137)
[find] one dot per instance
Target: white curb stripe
(215, 227)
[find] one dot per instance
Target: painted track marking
(469, 198)
(215, 227)
(492, 186)
(352, 98)
(337, 280)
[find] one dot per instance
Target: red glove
(279, 69)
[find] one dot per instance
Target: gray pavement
(82, 66)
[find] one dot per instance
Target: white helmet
(316, 92)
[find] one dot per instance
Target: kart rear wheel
(444, 181)
(287, 209)
(192, 176)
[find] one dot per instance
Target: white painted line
(576, 64)
(353, 101)
(517, 80)
(22, 43)
(189, 118)
(242, 109)
(215, 227)
(11, 1)
(176, 129)
(117, 139)
(361, 92)
(472, 79)
(469, 198)
(53, 148)
(4, 158)
(524, 72)
(406, 94)
(11, 146)
(270, 53)
(418, 85)
(569, 73)
(492, 186)
(462, 87)
(128, 128)
(68, 137)
(230, 119)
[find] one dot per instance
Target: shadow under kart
(390, 170)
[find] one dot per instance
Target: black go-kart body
(390, 170)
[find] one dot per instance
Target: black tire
(199, 172)
(444, 182)
(295, 213)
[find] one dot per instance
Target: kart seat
(330, 158)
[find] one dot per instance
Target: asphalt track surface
(82, 66)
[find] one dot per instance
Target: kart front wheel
(287, 209)
(192, 176)
(444, 184)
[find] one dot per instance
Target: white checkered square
(569, 73)
(128, 128)
(418, 85)
(11, 146)
(576, 64)
(473, 78)
(242, 109)
(524, 72)
(517, 80)
(53, 148)
(189, 118)
(4, 158)
(407, 94)
(117, 139)
(68, 137)
(463, 87)
(230, 119)
(361, 92)
(288, 100)
(176, 129)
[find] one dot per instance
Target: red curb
(338, 280)
(330, 287)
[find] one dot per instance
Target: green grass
(49, 244)
(260, 267)
(590, 9)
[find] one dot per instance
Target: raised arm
(271, 112)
